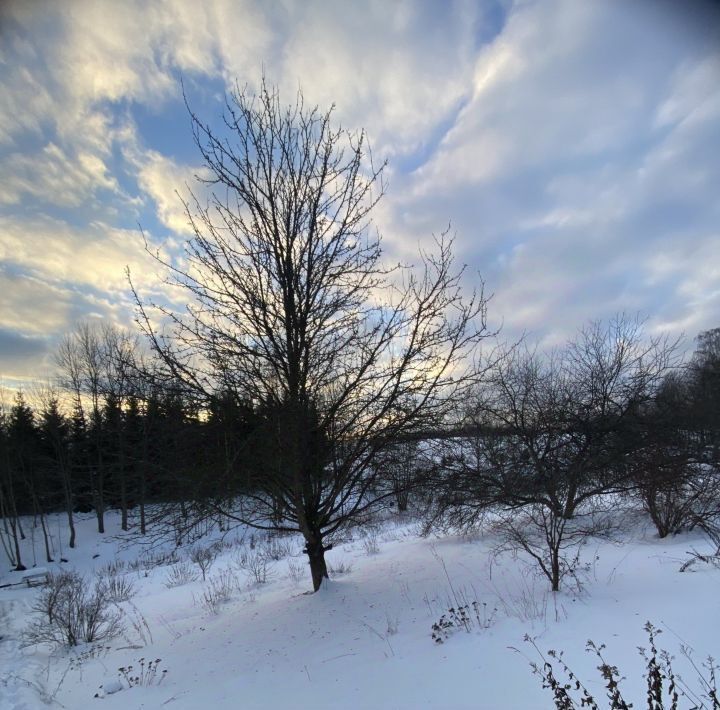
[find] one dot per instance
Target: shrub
(112, 569)
(370, 543)
(663, 687)
(463, 616)
(340, 567)
(150, 560)
(462, 610)
(255, 563)
(94, 651)
(219, 589)
(296, 570)
(120, 589)
(179, 574)
(69, 612)
(144, 674)
(204, 557)
(278, 548)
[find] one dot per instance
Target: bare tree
(553, 433)
(676, 467)
(704, 391)
(80, 359)
(399, 467)
(293, 310)
(98, 368)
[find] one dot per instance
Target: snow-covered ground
(364, 641)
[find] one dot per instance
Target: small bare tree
(675, 468)
(292, 309)
(551, 433)
(399, 469)
(98, 368)
(204, 557)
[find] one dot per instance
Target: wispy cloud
(572, 145)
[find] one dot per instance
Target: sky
(573, 146)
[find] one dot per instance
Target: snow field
(363, 641)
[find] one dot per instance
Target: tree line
(556, 443)
(107, 438)
(541, 440)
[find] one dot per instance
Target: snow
(110, 686)
(364, 641)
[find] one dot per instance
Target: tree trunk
(67, 490)
(14, 524)
(315, 551)
(123, 503)
(144, 463)
(123, 481)
(6, 548)
(19, 525)
(4, 515)
(570, 502)
(99, 484)
(555, 561)
(142, 501)
(65, 469)
(99, 496)
(401, 498)
(71, 525)
(48, 555)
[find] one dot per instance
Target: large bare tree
(292, 308)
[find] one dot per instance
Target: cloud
(410, 64)
(586, 149)
(30, 307)
(34, 314)
(22, 357)
(25, 104)
(94, 256)
(53, 177)
(571, 144)
(169, 184)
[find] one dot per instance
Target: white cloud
(397, 69)
(94, 256)
(586, 148)
(53, 177)
(168, 184)
(32, 306)
(25, 105)
(573, 152)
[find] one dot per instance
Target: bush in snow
(143, 674)
(220, 589)
(370, 542)
(68, 612)
(552, 542)
(467, 616)
(179, 574)
(120, 589)
(664, 687)
(340, 567)
(278, 548)
(204, 557)
(255, 563)
(296, 570)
